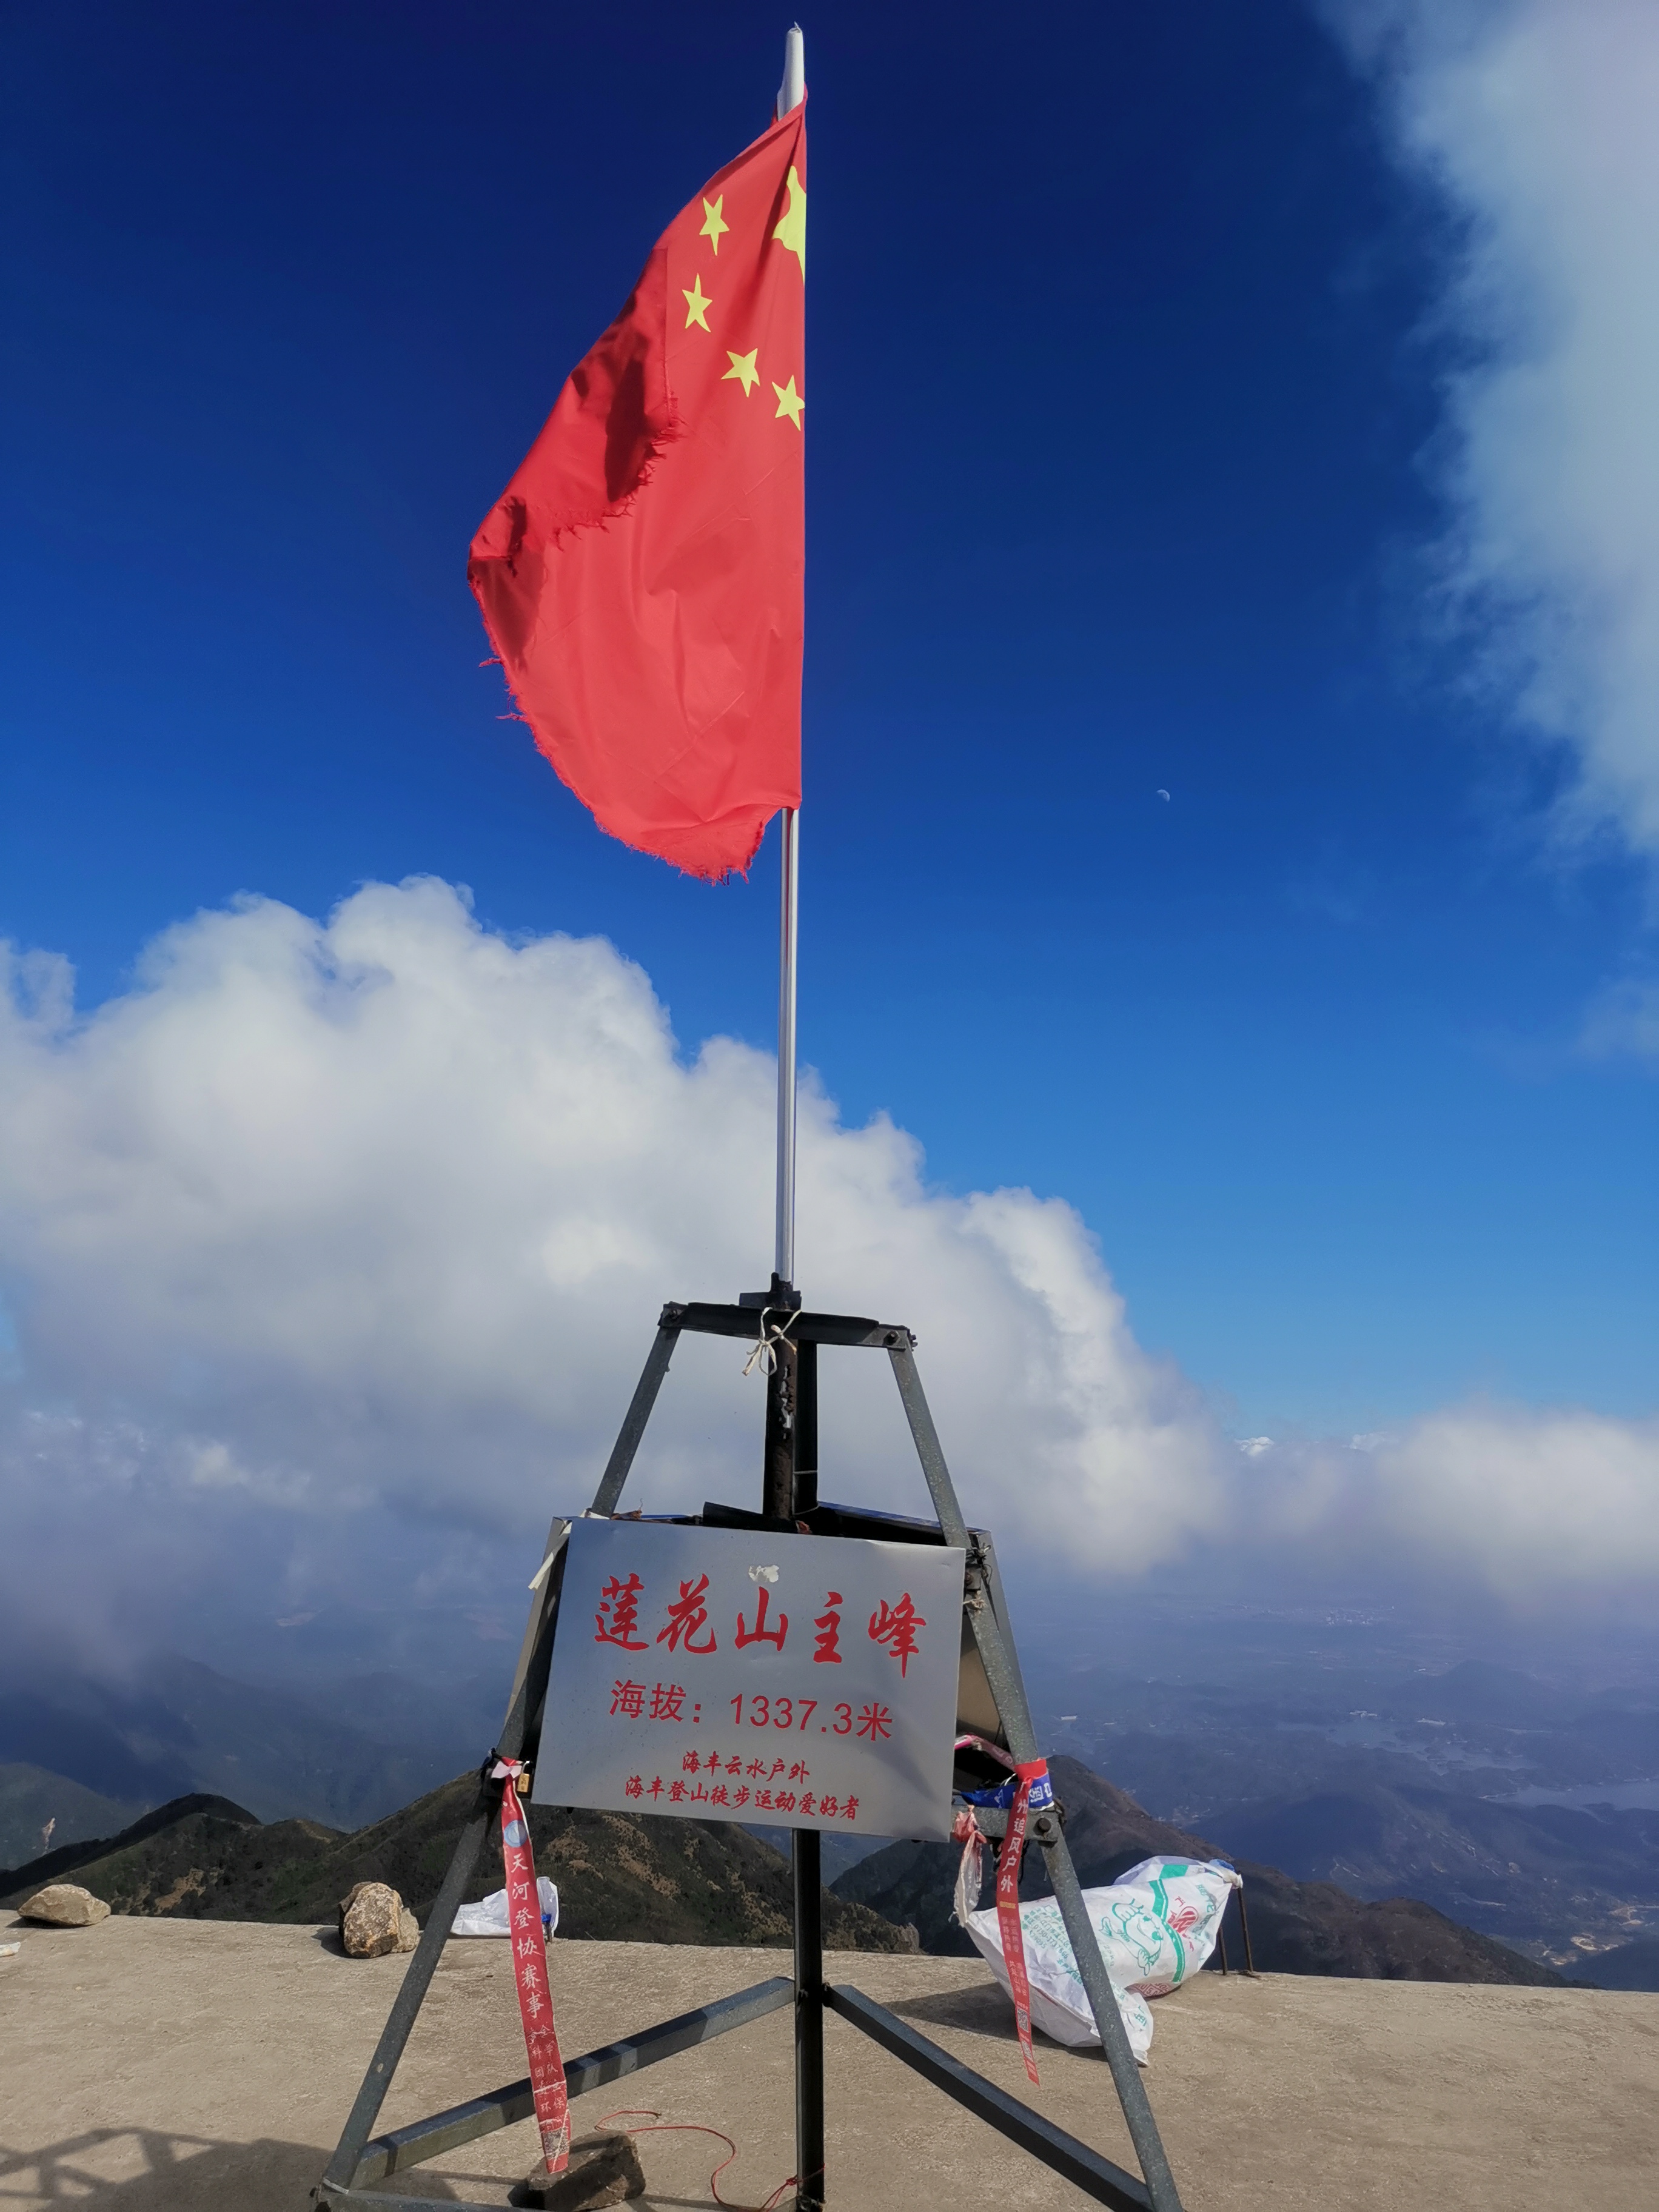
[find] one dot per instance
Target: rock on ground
(65, 1904)
(604, 2169)
(374, 1920)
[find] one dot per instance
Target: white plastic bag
(1156, 1924)
(489, 1916)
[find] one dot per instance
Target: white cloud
(1535, 121)
(1528, 1502)
(1561, 1498)
(1622, 1021)
(319, 1223)
(333, 1252)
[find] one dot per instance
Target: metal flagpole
(801, 1482)
(789, 935)
(791, 92)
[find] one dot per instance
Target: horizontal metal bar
(329, 2199)
(401, 2147)
(806, 1327)
(1095, 2176)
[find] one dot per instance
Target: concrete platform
(169, 2065)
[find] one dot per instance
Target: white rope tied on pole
(766, 1344)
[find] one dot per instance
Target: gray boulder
(374, 1920)
(65, 1904)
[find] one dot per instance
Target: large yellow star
(790, 402)
(714, 226)
(791, 227)
(743, 367)
(696, 306)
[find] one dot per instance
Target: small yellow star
(714, 227)
(696, 306)
(743, 367)
(791, 227)
(790, 401)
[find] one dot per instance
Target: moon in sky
(1162, 794)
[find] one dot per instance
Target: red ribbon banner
(1008, 1859)
(1008, 1922)
(541, 2041)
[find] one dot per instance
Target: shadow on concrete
(149, 2170)
(990, 2013)
(983, 2009)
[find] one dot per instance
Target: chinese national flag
(641, 577)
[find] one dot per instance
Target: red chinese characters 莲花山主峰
(895, 1626)
(618, 1616)
(760, 1633)
(686, 1616)
(826, 1648)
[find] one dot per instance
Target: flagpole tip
(793, 90)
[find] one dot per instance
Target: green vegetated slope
(1295, 1928)
(621, 1876)
(31, 1795)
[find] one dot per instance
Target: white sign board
(721, 1674)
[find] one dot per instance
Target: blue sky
(1127, 420)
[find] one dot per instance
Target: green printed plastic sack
(1156, 1924)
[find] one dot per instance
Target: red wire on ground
(694, 2127)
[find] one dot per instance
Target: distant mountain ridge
(30, 1797)
(1382, 1782)
(1295, 1928)
(634, 1877)
(619, 1876)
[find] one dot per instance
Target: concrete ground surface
(169, 2065)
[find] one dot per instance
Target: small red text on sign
(733, 1798)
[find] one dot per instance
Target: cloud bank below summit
(375, 1217)
(333, 1251)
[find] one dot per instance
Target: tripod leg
(1114, 2036)
(401, 2019)
(530, 1683)
(1009, 1693)
(424, 1963)
(639, 1412)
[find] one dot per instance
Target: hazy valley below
(1351, 1751)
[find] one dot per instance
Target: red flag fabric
(641, 577)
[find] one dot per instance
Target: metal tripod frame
(790, 1498)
